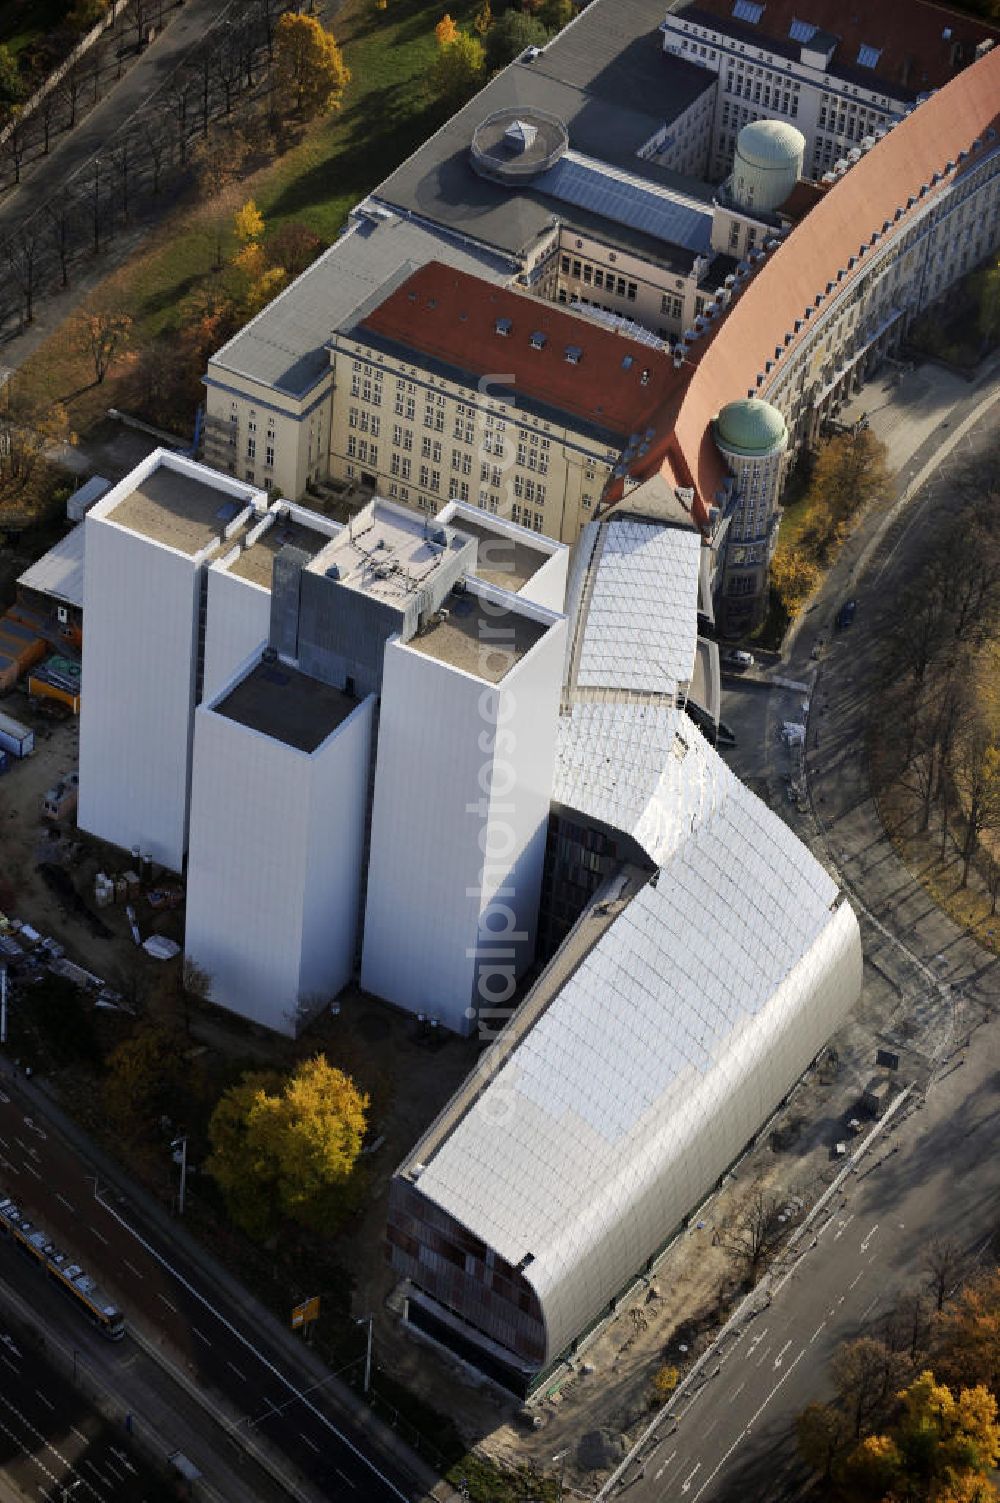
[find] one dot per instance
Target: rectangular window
(411, 409)
(352, 417)
(577, 268)
(376, 424)
(632, 291)
(435, 480)
(405, 469)
(466, 464)
(436, 451)
(439, 420)
(564, 263)
(425, 475)
(394, 464)
(251, 448)
(425, 448)
(269, 456)
(408, 440)
(463, 490)
(355, 385)
(397, 434)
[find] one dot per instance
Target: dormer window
(504, 326)
(573, 354)
(538, 340)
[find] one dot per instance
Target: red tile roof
(618, 383)
(914, 52)
(820, 246)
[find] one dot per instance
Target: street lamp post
(181, 1143)
(367, 1320)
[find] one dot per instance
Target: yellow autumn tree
(484, 18)
(248, 223)
(793, 577)
(287, 1148)
(309, 68)
(264, 288)
(446, 31)
(969, 1336)
(457, 70)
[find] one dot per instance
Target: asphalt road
(52, 1437)
(935, 1174)
(201, 1334)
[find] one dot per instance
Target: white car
(736, 658)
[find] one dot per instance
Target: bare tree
(979, 769)
(23, 257)
(993, 883)
(866, 1373)
(46, 113)
(755, 1232)
(70, 89)
(59, 214)
(17, 145)
(227, 62)
(156, 135)
(121, 161)
(944, 1261)
(179, 96)
(907, 1328)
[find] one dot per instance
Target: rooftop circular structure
(750, 427)
(767, 164)
(771, 143)
(513, 146)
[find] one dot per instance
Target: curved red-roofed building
(827, 305)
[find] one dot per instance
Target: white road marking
(856, 1278)
(80, 1435)
(738, 1391)
(310, 1443)
(31, 1169)
(201, 1335)
(4, 1098)
(47, 1402)
(784, 1349)
(663, 1468)
(842, 1227)
(4, 1142)
(686, 1484)
(869, 1308)
(132, 1268)
(344, 1477)
(236, 1370)
(763, 1354)
(66, 1203)
(13, 1367)
(169, 1304)
(868, 1238)
(100, 1237)
(815, 1333)
(783, 1379)
(711, 1427)
(255, 1351)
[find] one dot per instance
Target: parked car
(846, 614)
(737, 658)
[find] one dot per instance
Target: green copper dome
(750, 427)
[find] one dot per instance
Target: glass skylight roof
(627, 200)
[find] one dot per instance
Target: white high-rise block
(277, 840)
(461, 804)
(137, 697)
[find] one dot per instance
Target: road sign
(306, 1312)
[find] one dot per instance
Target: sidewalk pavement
(170, 1231)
